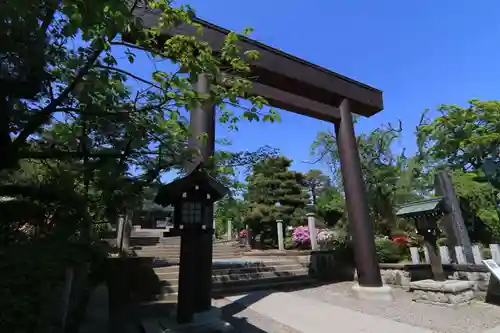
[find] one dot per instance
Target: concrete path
(288, 309)
(493, 330)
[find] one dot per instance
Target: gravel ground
(474, 318)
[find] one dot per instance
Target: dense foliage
(84, 139)
(269, 183)
(460, 140)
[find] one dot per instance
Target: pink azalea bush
(326, 238)
(300, 236)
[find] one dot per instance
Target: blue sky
(420, 53)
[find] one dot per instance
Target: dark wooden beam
(285, 72)
(295, 103)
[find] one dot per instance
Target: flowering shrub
(401, 241)
(244, 233)
(388, 251)
(327, 238)
(300, 236)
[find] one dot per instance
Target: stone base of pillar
(203, 322)
(383, 293)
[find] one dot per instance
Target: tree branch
(138, 78)
(61, 154)
(49, 16)
(134, 46)
(44, 115)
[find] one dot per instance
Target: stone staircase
(168, 249)
(239, 277)
(232, 272)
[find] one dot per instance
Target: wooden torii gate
(298, 86)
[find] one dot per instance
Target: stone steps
(154, 238)
(232, 273)
(240, 280)
(220, 290)
(171, 252)
(274, 267)
(174, 251)
(236, 278)
(176, 256)
(177, 249)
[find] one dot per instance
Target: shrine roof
(421, 207)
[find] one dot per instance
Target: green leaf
(247, 31)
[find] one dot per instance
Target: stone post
(495, 252)
(281, 240)
(249, 243)
(229, 229)
(123, 232)
(119, 232)
(444, 254)
(313, 235)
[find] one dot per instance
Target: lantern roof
(151, 206)
(422, 208)
(196, 180)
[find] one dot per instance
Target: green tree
(390, 178)
(44, 75)
(464, 137)
(331, 205)
(233, 209)
(315, 181)
(477, 205)
(101, 132)
(270, 182)
(463, 140)
(230, 166)
(81, 106)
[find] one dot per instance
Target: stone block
(482, 286)
(449, 292)
(448, 286)
(397, 277)
(403, 279)
(463, 297)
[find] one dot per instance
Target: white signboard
(493, 267)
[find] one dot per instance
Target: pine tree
(270, 182)
(316, 181)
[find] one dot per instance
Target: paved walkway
(310, 316)
(329, 308)
(321, 309)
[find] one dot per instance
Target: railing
(445, 255)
